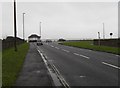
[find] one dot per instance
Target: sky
(68, 20)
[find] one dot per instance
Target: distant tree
(111, 34)
(61, 40)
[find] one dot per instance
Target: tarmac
(34, 71)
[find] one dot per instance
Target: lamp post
(15, 26)
(99, 38)
(103, 31)
(23, 27)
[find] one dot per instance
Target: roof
(34, 36)
(11, 38)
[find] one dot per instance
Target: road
(83, 67)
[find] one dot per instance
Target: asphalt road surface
(83, 67)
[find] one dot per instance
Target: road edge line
(61, 80)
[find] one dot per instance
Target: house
(33, 38)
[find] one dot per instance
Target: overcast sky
(69, 20)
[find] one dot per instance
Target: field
(89, 45)
(12, 63)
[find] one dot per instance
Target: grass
(12, 63)
(89, 45)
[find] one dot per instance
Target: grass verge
(89, 45)
(12, 63)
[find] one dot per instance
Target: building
(33, 38)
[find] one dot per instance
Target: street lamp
(99, 38)
(23, 27)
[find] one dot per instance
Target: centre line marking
(110, 65)
(56, 47)
(81, 55)
(85, 56)
(89, 50)
(77, 54)
(66, 50)
(52, 46)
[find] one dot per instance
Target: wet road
(83, 67)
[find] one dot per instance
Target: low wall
(107, 42)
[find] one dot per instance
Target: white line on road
(85, 56)
(66, 85)
(81, 55)
(56, 47)
(52, 46)
(66, 50)
(117, 55)
(56, 76)
(110, 65)
(82, 76)
(53, 75)
(89, 50)
(76, 54)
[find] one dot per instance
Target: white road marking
(66, 85)
(57, 77)
(85, 56)
(66, 50)
(117, 55)
(52, 46)
(56, 47)
(38, 71)
(110, 65)
(82, 76)
(76, 54)
(81, 55)
(89, 50)
(53, 75)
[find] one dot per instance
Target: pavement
(34, 71)
(83, 67)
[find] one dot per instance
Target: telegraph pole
(23, 28)
(15, 26)
(40, 29)
(103, 31)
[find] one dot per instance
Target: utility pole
(15, 27)
(40, 29)
(103, 31)
(99, 38)
(23, 28)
